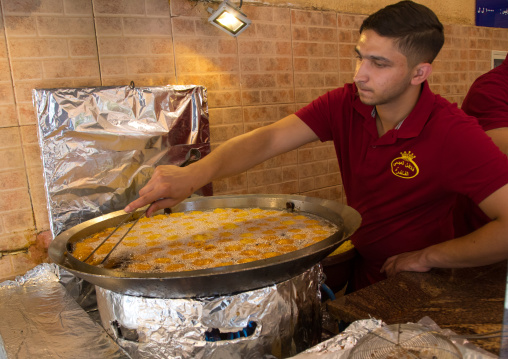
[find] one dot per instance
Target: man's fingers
(160, 204)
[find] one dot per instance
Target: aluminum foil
(41, 320)
(287, 319)
(99, 146)
(341, 345)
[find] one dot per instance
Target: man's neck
(390, 115)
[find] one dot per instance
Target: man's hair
(417, 31)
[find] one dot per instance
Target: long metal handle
(104, 241)
(192, 156)
(121, 239)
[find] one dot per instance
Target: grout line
(173, 42)
(294, 94)
(96, 42)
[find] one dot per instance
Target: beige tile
(15, 241)
(190, 9)
(223, 133)
(6, 94)
(108, 26)
(195, 46)
(272, 163)
(20, 26)
(38, 198)
(78, 7)
(26, 70)
(113, 66)
(8, 116)
(333, 167)
(4, 71)
(237, 182)
(32, 155)
(6, 268)
(289, 173)
(37, 47)
(32, 7)
(16, 221)
(220, 187)
(210, 81)
(122, 46)
(10, 138)
(157, 7)
(149, 65)
(312, 169)
(277, 188)
(147, 26)
(306, 184)
(65, 26)
(160, 46)
(23, 262)
(11, 158)
(84, 82)
(225, 116)
(26, 113)
(54, 69)
(327, 180)
(83, 48)
(13, 179)
(16, 199)
(184, 26)
(119, 7)
(24, 89)
(260, 113)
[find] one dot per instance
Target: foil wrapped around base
(40, 319)
(277, 321)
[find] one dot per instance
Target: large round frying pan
(213, 281)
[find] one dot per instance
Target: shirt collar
(412, 124)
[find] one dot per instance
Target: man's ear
(420, 73)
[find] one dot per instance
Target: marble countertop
(466, 301)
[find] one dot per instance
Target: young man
(487, 100)
(404, 154)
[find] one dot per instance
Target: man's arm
(486, 245)
(170, 185)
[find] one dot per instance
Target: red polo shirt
(405, 182)
(487, 100)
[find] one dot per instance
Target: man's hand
(410, 261)
(168, 186)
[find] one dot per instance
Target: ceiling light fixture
(229, 18)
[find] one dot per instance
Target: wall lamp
(229, 18)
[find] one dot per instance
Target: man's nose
(360, 71)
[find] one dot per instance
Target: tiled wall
(284, 60)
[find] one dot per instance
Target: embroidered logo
(404, 166)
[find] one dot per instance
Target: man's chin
(367, 100)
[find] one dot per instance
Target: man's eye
(379, 64)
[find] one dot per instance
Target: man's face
(382, 72)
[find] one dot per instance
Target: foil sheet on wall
(99, 146)
(277, 321)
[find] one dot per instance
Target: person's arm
(500, 138)
(486, 245)
(170, 185)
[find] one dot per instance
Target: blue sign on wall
(492, 13)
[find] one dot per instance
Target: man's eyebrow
(373, 57)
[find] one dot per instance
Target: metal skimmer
(192, 156)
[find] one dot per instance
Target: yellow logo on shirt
(404, 166)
